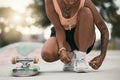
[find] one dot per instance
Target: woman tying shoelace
(73, 34)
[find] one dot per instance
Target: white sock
(80, 54)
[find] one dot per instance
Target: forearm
(104, 41)
(60, 36)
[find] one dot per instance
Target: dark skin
(60, 41)
(104, 41)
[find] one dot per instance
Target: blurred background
(26, 20)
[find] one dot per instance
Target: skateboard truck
(25, 62)
(26, 69)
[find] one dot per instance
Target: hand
(64, 57)
(96, 62)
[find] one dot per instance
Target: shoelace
(80, 61)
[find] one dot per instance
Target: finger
(63, 60)
(94, 59)
(66, 60)
(93, 65)
(70, 58)
(90, 63)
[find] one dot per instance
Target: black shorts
(70, 39)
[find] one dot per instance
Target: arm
(54, 18)
(60, 33)
(104, 34)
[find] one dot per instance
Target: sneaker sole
(81, 71)
(68, 69)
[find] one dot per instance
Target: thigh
(51, 45)
(85, 31)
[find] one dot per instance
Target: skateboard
(25, 69)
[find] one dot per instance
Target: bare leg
(85, 32)
(84, 38)
(50, 50)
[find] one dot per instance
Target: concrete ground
(110, 70)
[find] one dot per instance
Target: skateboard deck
(26, 69)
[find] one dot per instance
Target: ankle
(80, 54)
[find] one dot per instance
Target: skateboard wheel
(14, 70)
(13, 60)
(35, 60)
(35, 69)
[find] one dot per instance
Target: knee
(45, 55)
(86, 12)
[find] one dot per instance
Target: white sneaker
(81, 66)
(69, 66)
(80, 62)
